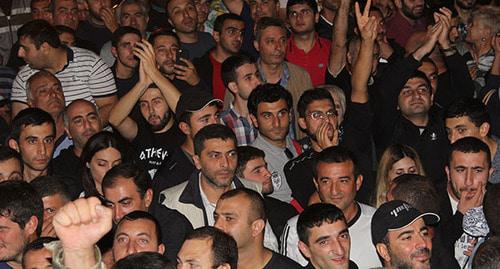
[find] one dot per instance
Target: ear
(349, 57)
(196, 161)
(113, 51)
(161, 248)
(256, 45)
(232, 87)
(148, 197)
(169, 20)
(359, 182)
(447, 169)
(67, 133)
(185, 128)
(302, 123)
(484, 129)
(316, 184)
(14, 145)
(45, 47)
(216, 36)
(383, 252)
(30, 227)
(258, 227)
(254, 121)
(304, 249)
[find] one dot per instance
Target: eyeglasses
(232, 31)
(302, 13)
(319, 115)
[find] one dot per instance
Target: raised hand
(367, 25)
(466, 202)
(146, 54)
(187, 72)
(431, 38)
(444, 17)
(108, 17)
(324, 137)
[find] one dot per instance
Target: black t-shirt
(97, 35)
(123, 86)
(152, 149)
(279, 261)
(68, 166)
(343, 80)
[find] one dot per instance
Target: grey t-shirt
(198, 49)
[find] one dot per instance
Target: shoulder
(279, 261)
(296, 69)
(172, 194)
(297, 161)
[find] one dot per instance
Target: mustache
(422, 251)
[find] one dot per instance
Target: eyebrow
(406, 233)
(124, 199)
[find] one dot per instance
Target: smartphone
(181, 53)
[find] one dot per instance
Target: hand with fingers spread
(431, 39)
(444, 17)
(367, 25)
(108, 17)
(187, 72)
(471, 198)
(145, 52)
(327, 135)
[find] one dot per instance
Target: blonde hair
(391, 155)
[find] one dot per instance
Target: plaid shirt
(244, 130)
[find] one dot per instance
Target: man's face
(123, 51)
(134, 237)
(247, 79)
(272, 120)
(302, 19)
(410, 247)
(413, 9)
(31, 55)
(217, 162)
(132, 16)
(95, 7)
(328, 246)
(52, 204)
(65, 13)
(196, 253)
(83, 123)
(467, 172)
(466, 4)
(125, 198)
(199, 119)
(233, 216)
(461, 127)
(272, 45)
(36, 144)
(202, 8)
(154, 109)
(256, 170)
(313, 121)
(67, 39)
(47, 94)
(415, 99)
(379, 17)
(40, 10)
(336, 184)
(230, 37)
(13, 239)
(263, 8)
(10, 170)
(431, 72)
(165, 49)
(182, 15)
(37, 259)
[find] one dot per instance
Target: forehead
(80, 108)
(416, 82)
(323, 104)
(220, 145)
(327, 169)
(123, 187)
(327, 229)
(43, 130)
(259, 161)
(178, 3)
(131, 8)
(26, 41)
(43, 80)
(464, 120)
(40, 3)
(236, 204)
(130, 37)
(413, 227)
(150, 94)
(276, 106)
(273, 32)
(165, 40)
(7, 222)
(233, 23)
(135, 227)
(300, 6)
(65, 3)
(196, 249)
(246, 68)
(468, 158)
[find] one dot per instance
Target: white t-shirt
(363, 253)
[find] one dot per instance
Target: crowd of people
(250, 134)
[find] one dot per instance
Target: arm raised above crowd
(338, 51)
(362, 69)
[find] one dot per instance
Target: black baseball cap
(395, 215)
(193, 102)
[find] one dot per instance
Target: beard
(465, 5)
(402, 264)
(409, 13)
(163, 122)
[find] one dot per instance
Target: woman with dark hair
(102, 151)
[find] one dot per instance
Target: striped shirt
(85, 76)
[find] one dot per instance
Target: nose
(213, 120)
(452, 136)
(21, 53)
(131, 249)
(420, 241)
(219, 224)
(224, 162)
(469, 180)
(334, 189)
(118, 213)
(337, 248)
(267, 174)
(42, 148)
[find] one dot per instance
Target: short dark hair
(311, 3)
(150, 260)
(219, 21)
(224, 248)
(7, 153)
(310, 96)
(335, 154)
(266, 22)
(139, 215)
(421, 75)
(40, 31)
(129, 171)
(229, 66)
(472, 108)
(418, 191)
(19, 202)
(314, 216)
(50, 185)
(38, 244)
(470, 145)
(212, 131)
(246, 154)
(122, 31)
(61, 29)
(257, 208)
(163, 32)
(487, 254)
(268, 93)
(30, 117)
(491, 208)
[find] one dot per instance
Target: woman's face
(477, 30)
(404, 166)
(102, 162)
